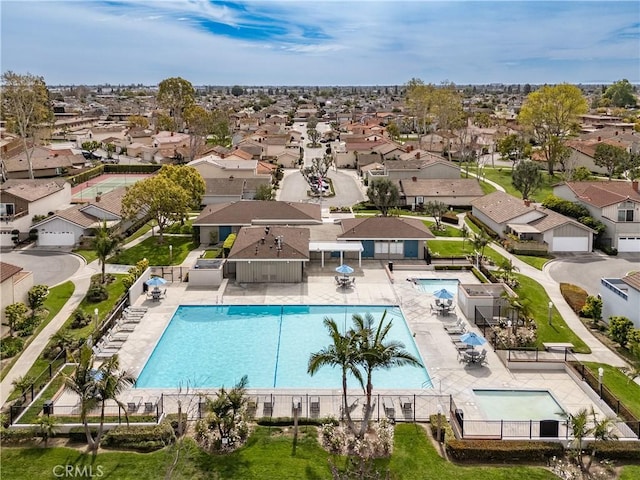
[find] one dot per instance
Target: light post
(439, 432)
(96, 312)
(600, 375)
(170, 254)
(550, 311)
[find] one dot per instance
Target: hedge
(16, 436)
(288, 421)
(77, 434)
(86, 175)
(145, 438)
(445, 426)
(453, 267)
(503, 451)
(450, 218)
(616, 450)
(575, 296)
(122, 168)
(483, 227)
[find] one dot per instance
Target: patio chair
(482, 358)
(353, 282)
(267, 405)
(338, 282)
(150, 404)
(405, 403)
(389, 407)
(134, 404)
(456, 330)
(314, 405)
(123, 326)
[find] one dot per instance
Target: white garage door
(570, 244)
(629, 243)
(56, 239)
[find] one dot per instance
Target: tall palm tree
(341, 353)
(104, 244)
(602, 431)
(374, 351)
(479, 243)
(578, 425)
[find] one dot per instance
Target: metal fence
(171, 274)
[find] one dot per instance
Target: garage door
(629, 244)
(570, 244)
(56, 239)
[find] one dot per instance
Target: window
(7, 209)
(625, 212)
(394, 248)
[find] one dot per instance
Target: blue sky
(319, 42)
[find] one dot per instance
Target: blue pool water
(431, 285)
(214, 346)
(518, 404)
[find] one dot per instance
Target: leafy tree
(16, 315)
(36, 297)
(581, 174)
(601, 431)
(593, 308)
(436, 209)
(514, 147)
(313, 135)
(165, 122)
(189, 179)
(139, 121)
(176, 94)
(526, 178)
(578, 424)
(199, 122)
(620, 94)
(220, 129)
(480, 242)
(340, 353)
(393, 131)
(610, 157)
(631, 166)
(159, 198)
(384, 194)
(619, 330)
(25, 106)
(419, 100)
(312, 122)
(551, 114)
(237, 90)
(95, 387)
(47, 427)
(104, 244)
(90, 146)
(264, 192)
(23, 382)
(447, 109)
(316, 172)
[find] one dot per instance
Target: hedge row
(575, 296)
(17, 436)
(445, 427)
(503, 451)
(86, 175)
(288, 421)
(140, 438)
(483, 227)
(114, 168)
(616, 450)
(453, 267)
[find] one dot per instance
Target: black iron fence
(171, 274)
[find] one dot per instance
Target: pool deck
(373, 286)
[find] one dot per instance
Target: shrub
(615, 450)
(16, 436)
(288, 421)
(575, 296)
(97, 293)
(141, 438)
(609, 250)
(483, 227)
(450, 217)
(76, 434)
(445, 426)
(619, 330)
(80, 319)
(11, 346)
(503, 451)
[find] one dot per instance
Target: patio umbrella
(345, 269)
(473, 339)
(156, 281)
(443, 294)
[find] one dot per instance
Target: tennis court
(103, 184)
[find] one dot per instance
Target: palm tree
(341, 353)
(602, 431)
(104, 245)
(578, 424)
(464, 231)
(374, 351)
(479, 243)
(48, 427)
(61, 340)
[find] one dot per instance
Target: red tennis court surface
(104, 183)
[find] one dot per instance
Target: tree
(384, 194)
(157, 197)
(176, 94)
(610, 157)
(189, 179)
(465, 234)
(36, 297)
(90, 146)
(237, 90)
(447, 109)
(436, 209)
(340, 353)
(515, 148)
(199, 122)
(25, 106)
(479, 243)
(592, 309)
(16, 315)
(313, 135)
(220, 130)
(619, 330)
(375, 351)
(104, 244)
(137, 121)
(526, 178)
(393, 131)
(578, 425)
(631, 166)
(419, 99)
(602, 431)
(47, 427)
(620, 94)
(264, 192)
(551, 113)
(315, 174)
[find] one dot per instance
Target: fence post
(501, 429)
(530, 429)
(414, 408)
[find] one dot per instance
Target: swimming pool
(518, 404)
(215, 345)
(432, 285)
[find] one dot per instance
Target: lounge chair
(102, 354)
(136, 309)
(267, 405)
(389, 407)
(405, 403)
(150, 404)
(461, 328)
(123, 326)
(252, 404)
(314, 405)
(134, 404)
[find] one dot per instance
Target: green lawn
(448, 231)
(156, 254)
(268, 454)
(212, 253)
(138, 233)
(453, 248)
(502, 176)
(538, 301)
(619, 384)
(630, 472)
(536, 262)
(58, 296)
(88, 255)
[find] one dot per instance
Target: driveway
(293, 188)
(587, 270)
(49, 268)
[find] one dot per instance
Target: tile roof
(254, 243)
(8, 270)
(31, 190)
(601, 194)
(501, 207)
(42, 159)
(224, 186)
(633, 280)
(384, 228)
(248, 212)
(462, 187)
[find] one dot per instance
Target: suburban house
(386, 238)
(616, 204)
(621, 297)
(421, 166)
(15, 282)
(269, 253)
(69, 227)
(215, 167)
(45, 163)
(232, 189)
(216, 222)
(458, 192)
(531, 227)
(22, 200)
